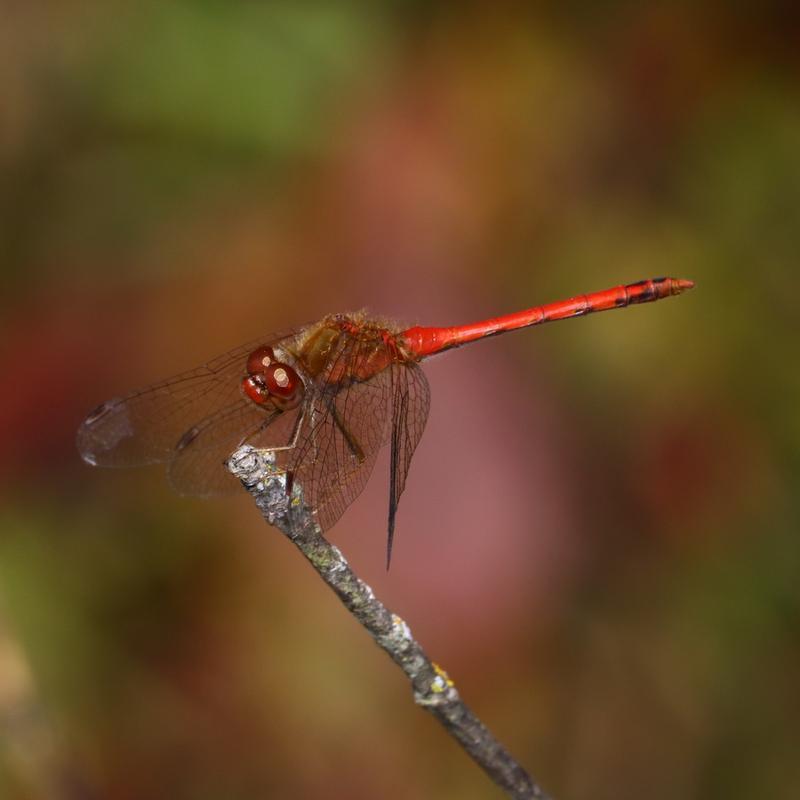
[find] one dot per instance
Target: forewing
(148, 425)
(411, 400)
(343, 430)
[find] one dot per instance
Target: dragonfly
(323, 399)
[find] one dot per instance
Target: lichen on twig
(432, 688)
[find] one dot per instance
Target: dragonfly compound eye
(284, 385)
(255, 388)
(260, 359)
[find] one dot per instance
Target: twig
(433, 689)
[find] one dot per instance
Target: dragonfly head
(271, 382)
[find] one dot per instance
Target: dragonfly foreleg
(293, 436)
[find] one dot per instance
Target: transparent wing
(198, 466)
(198, 409)
(343, 430)
(411, 401)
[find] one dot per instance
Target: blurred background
(599, 535)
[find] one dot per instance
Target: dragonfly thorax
(344, 348)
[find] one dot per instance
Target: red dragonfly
(323, 399)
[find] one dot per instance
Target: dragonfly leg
(352, 442)
(298, 424)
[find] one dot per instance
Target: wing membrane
(198, 466)
(343, 431)
(411, 400)
(148, 425)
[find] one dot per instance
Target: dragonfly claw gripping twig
(433, 690)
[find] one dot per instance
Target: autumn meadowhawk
(323, 399)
